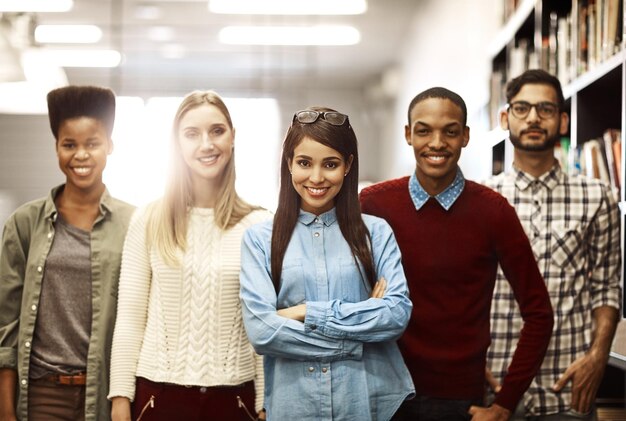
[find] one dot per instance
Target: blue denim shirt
(446, 198)
(342, 363)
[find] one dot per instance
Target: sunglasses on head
(310, 116)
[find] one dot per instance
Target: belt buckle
(71, 380)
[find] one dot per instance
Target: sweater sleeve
(259, 383)
(274, 335)
(518, 263)
(132, 308)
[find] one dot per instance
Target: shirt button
(39, 269)
(24, 382)
(49, 235)
(27, 344)
(324, 370)
(317, 220)
(33, 307)
(313, 327)
(203, 389)
(311, 369)
(317, 234)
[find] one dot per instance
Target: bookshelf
(582, 42)
(547, 34)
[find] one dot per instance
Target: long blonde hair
(168, 217)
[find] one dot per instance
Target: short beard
(548, 144)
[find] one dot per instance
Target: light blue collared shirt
(446, 198)
(342, 363)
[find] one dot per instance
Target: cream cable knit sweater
(183, 325)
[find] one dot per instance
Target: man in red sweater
(453, 234)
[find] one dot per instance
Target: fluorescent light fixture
(83, 58)
(288, 7)
(161, 33)
(36, 5)
(290, 35)
(173, 51)
(68, 34)
(148, 12)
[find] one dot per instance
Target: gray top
(63, 326)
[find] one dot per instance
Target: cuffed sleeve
(12, 271)
(604, 246)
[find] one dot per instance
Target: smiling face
(437, 135)
(534, 133)
(317, 174)
(82, 148)
(206, 142)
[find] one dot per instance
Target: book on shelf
(562, 154)
(595, 165)
(613, 150)
(601, 158)
(598, 30)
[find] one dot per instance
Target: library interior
(156, 51)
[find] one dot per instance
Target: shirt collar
(327, 218)
(446, 198)
(550, 179)
(51, 208)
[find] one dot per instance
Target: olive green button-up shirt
(26, 240)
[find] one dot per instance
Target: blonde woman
(180, 350)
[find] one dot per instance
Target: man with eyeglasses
(573, 225)
(453, 233)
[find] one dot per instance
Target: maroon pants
(52, 402)
(167, 402)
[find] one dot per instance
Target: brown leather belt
(79, 379)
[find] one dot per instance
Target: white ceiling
(241, 70)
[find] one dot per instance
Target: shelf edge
(593, 75)
(512, 25)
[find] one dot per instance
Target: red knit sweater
(450, 259)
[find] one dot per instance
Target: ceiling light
(71, 34)
(173, 51)
(148, 12)
(36, 5)
(83, 58)
(290, 35)
(161, 33)
(289, 7)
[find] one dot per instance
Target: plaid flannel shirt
(574, 229)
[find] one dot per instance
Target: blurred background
(267, 58)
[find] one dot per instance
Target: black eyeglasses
(521, 109)
(310, 116)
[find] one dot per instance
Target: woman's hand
(379, 288)
(120, 409)
(296, 312)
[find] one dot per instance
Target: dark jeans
(424, 408)
(174, 402)
(51, 402)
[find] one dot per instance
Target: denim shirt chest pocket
(567, 245)
(352, 286)
(292, 284)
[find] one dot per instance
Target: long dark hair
(348, 210)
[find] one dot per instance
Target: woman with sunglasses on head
(180, 351)
(323, 290)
